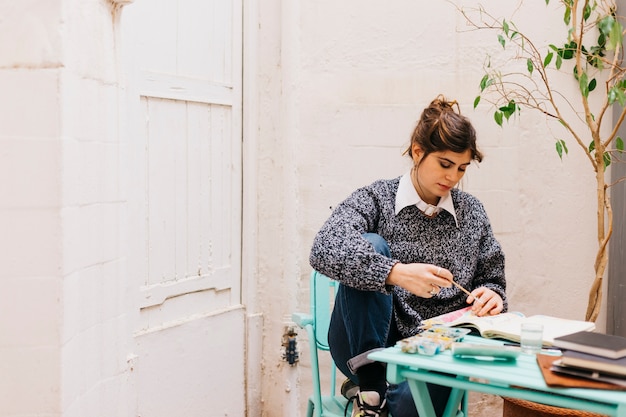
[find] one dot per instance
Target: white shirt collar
(407, 196)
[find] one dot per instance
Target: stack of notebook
(592, 355)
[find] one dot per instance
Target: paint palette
(432, 341)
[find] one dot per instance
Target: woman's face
(438, 172)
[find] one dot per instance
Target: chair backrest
(322, 293)
(323, 290)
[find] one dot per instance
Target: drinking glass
(531, 337)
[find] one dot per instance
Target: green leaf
(607, 159)
(484, 82)
(612, 96)
(594, 57)
(505, 27)
(529, 65)
(501, 40)
(595, 61)
(559, 61)
(567, 16)
(621, 97)
(592, 85)
(619, 144)
(587, 12)
(509, 110)
(547, 59)
(568, 50)
(559, 149)
(605, 25)
(616, 93)
(615, 38)
(592, 146)
(476, 101)
(498, 118)
(584, 86)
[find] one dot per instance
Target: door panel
(173, 382)
(184, 92)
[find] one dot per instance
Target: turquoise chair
(321, 403)
(329, 403)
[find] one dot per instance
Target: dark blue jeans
(363, 321)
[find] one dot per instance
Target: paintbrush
(459, 286)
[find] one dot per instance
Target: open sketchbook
(508, 325)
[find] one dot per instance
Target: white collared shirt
(408, 196)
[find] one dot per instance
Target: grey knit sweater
(470, 251)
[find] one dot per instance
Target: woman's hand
(423, 280)
(485, 301)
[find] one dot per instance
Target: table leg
(423, 403)
(454, 401)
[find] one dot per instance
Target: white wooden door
(184, 113)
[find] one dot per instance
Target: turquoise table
(521, 378)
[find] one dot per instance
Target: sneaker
(349, 389)
(368, 404)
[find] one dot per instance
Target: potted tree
(590, 53)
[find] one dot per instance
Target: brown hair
(441, 128)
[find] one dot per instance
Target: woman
(396, 245)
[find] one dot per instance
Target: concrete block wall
(63, 328)
(31, 240)
(96, 335)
